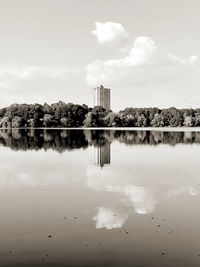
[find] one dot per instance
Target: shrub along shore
(61, 114)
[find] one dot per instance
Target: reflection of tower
(102, 155)
(102, 97)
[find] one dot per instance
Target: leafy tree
(48, 120)
(141, 121)
(188, 121)
(90, 120)
(5, 122)
(158, 121)
(112, 120)
(62, 114)
(16, 122)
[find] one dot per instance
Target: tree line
(61, 114)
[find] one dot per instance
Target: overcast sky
(146, 51)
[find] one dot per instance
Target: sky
(146, 51)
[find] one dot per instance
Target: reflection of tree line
(42, 139)
(61, 140)
(158, 137)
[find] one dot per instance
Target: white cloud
(164, 79)
(142, 53)
(183, 61)
(9, 72)
(109, 219)
(39, 83)
(109, 31)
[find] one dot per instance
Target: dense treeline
(55, 115)
(72, 115)
(153, 117)
(62, 140)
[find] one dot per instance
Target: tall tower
(102, 97)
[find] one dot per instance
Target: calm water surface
(99, 198)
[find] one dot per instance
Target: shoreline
(161, 129)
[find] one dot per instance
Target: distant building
(102, 155)
(102, 97)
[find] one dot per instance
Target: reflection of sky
(39, 168)
(141, 197)
(109, 219)
(146, 176)
(41, 194)
(140, 177)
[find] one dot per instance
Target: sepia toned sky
(146, 51)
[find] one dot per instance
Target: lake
(99, 198)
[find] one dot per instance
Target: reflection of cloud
(190, 190)
(141, 197)
(96, 178)
(109, 219)
(17, 181)
(34, 169)
(24, 179)
(142, 193)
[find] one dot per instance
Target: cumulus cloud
(109, 219)
(109, 31)
(157, 75)
(142, 53)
